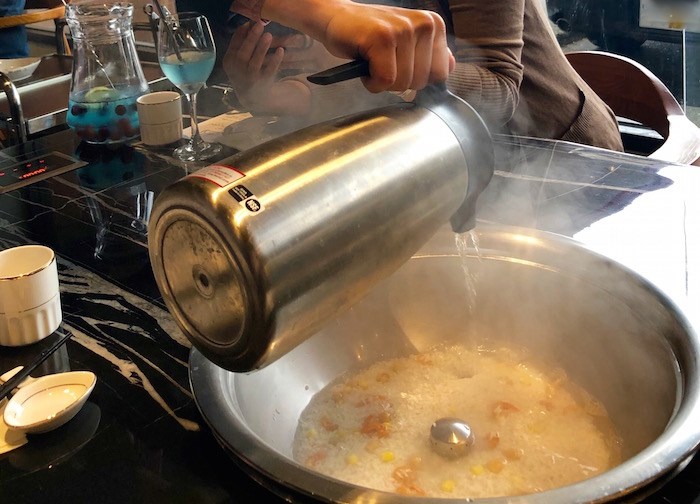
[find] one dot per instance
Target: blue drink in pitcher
(104, 115)
(107, 77)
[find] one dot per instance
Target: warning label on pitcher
(240, 192)
(221, 175)
(246, 198)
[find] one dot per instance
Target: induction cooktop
(22, 170)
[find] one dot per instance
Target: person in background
(512, 70)
(13, 41)
(406, 48)
(509, 67)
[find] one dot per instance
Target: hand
(249, 67)
(406, 48)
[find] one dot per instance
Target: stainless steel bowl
(614, 334)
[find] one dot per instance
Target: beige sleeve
(489, 42)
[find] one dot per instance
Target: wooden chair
(42, 10)
(633, 92)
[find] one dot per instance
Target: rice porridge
(534, 430)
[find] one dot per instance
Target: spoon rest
(48, 402)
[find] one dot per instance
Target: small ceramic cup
(160, 117)
(30, 303)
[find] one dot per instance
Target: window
(662, 35)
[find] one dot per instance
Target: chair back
(31, 17)
(56, 13)
(632, 91)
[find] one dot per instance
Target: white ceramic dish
(19, 68)
(49, 401)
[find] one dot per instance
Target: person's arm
(488, 49)
(406, 48)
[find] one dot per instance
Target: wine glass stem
(194, 128)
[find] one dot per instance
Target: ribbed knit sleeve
(488, 47)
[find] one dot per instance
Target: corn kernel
(477, 469)
(352, 459)
(447, 486)
(387, 456)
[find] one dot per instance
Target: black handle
(340, 73)
(352, 70)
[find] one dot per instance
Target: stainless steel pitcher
(254, 254)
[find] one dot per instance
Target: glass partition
(662, 35)
(692, 72)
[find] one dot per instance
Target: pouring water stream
(468, 243)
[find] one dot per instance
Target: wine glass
(186, 54)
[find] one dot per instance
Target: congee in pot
(533, 430)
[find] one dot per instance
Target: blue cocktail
(186, 54)
(191, 73)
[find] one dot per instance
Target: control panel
(20, 171)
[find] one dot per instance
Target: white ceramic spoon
(45, 403)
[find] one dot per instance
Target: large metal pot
(610, 330)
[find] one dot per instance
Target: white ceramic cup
(30, 302)
(160, 117)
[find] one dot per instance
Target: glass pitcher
(107, 76)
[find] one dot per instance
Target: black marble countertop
(140, 437)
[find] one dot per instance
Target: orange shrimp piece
(376, 425)
(315, 458)
(328, 424)
(502, 408)
(374, 399)
(492, 439)
(383, 377)
(405, 478)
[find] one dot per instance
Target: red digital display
(32, 173)
(16, 173)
